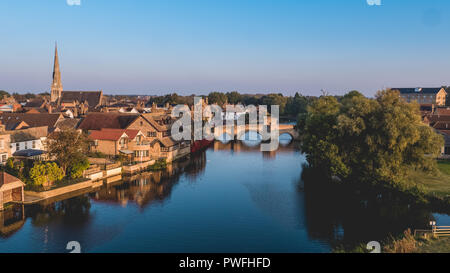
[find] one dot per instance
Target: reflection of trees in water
(71, 212)
(151, 187)
(340, 218)
(11, 220)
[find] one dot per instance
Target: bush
(407, 244)
(161, 164)
(76, 170)
(44, 174)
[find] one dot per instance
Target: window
(96, 142)
(151, 134)
(4, 158)
(123, 143)
(26, 145)
(447, 151)
(138, 140)
(33, 145)
(17, 146)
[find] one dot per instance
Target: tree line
(290, 106)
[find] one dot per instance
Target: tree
(234, 97)
(275, 99)
(44, 174)
(68, 148)
(217, 98)
(368, 140)
(3, 94)
(77, 168)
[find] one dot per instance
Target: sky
(154, 47)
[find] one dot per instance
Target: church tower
(57, 87)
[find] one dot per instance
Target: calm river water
(230, 198)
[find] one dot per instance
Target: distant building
(435, 96)
(90, 99)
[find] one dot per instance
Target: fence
(441, 231)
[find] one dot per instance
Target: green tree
(44, 174)
(234, 97)
(368, 140)
(275, 99)
(68, 148)
(217, 98)
(77, 168)
(3, 94)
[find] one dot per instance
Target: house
(11, 189)
(29, 143)
(15, 121)
(92, 99)
(114, 142)
(5, 139)
(153, 126)
(436, 95)
(97, 121)
(168, 149)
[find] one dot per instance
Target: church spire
(57, 87)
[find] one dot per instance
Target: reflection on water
(231, 198)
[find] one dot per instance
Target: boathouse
(11, 189)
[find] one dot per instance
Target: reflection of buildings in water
(248, 147)
(196, 166)
(11, 220)
(150, 187)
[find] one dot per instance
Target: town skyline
(165, 48)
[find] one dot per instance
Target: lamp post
(433, 226)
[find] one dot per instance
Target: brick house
(156, 129)
(114, 142)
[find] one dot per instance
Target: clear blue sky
(198, 46)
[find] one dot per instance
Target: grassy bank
(410, 244)
(433, 184)
(406, 243)
(441, 245)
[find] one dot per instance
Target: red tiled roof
(112, 134)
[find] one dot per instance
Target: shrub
(44, 174)
(407, 244)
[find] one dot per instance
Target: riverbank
(408, 243)
(437, 185)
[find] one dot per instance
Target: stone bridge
(237, 133)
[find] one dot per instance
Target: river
(229, 198)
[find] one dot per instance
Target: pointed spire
(57, 87)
